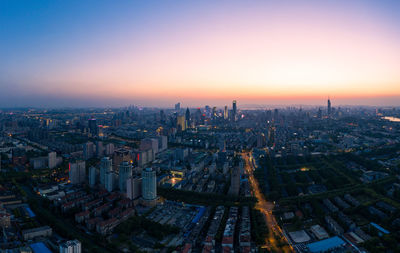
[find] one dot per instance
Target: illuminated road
(266, 208)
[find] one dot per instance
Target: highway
(266, 207)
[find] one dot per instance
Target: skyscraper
(235, 181)
(92, 176)
(199, 117)
(121, 155)
(162, 142)
(125, 171)
(110, 181)
(99, 149)
(226, 112)
(133, 187)
(276, 114)
(52, 156)
(178, 106)
(109, 150)
(234, 110)
(77, 172)
(149, 143)
(319, 115)
(149, 186)
(71, 247)
(214, 112)
(92, 124)
(181, 122)
(163, 118)
(187, 117)
(105, 166)
(329, 107)
(88, 150)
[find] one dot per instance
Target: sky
(156, 53)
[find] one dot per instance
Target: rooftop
(39, 247)
(326, 244)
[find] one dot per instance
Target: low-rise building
(319, 232)
(334, 226)
(82, 216)
(29, 234)
(107, 226)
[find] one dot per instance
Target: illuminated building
(214, 112)
(181, 122)
(187, 117)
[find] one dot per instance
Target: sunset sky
(156, 53)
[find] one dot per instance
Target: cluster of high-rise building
(128, 155)
(73, 246)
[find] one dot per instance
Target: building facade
(149, 184)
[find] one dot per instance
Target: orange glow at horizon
(294, 53)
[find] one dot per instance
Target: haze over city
(101, 53)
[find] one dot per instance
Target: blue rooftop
(30, 212)
(199, 214)
(381, 229)
(39, 247)
(326, 244)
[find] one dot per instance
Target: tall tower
(235, 181)
(214, 112)
(181, 122)
(92, 124)
(178, 106)
(187, 116)
(52, 156)
(92, 176)
(133, 187)
(149, 184)
(125, 171)
(110, 181)
(226, 112)
(77, 172)
(163, 118)
(120, 155)
(329, 107)
(105, 167)
(234, 109)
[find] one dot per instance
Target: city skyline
(154, 54)
(200, 126)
